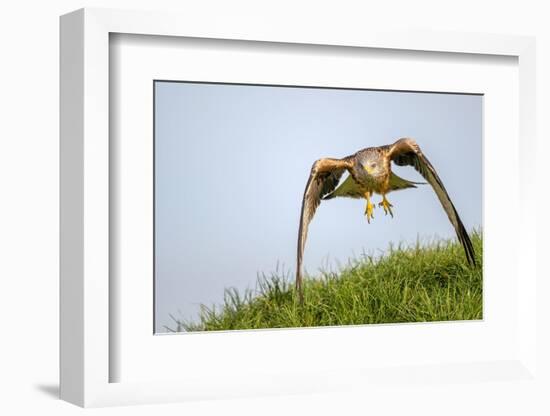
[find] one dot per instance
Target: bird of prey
(370, 172)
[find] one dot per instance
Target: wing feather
(405, 152)
(397, 183)
(323, 179)
(349, 188)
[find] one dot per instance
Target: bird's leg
(386, 205)
(369, 209)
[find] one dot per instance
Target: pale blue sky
(232, 162)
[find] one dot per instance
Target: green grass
(421, 283)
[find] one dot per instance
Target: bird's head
(373, 165)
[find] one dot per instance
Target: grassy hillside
(408, 284)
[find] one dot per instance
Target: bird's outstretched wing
(405, 152)
(348, 189)
(323, 179)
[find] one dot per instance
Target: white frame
(138, 60)
(85, 194)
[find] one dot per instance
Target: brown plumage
(370, 172)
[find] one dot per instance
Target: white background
(29, 184)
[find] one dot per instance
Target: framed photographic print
(266, 212)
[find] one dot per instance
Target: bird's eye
(373, 165)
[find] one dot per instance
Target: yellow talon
(386, 205)
(369, 209)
